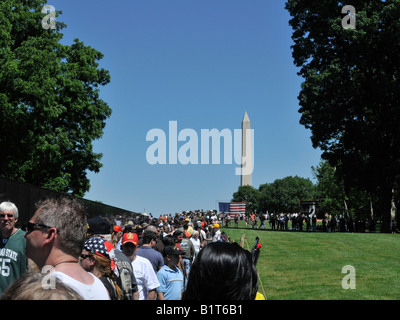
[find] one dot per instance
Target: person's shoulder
(20, 231)
(120, 257)
(17, 238)
(163, 269)
(19, 234)
(158, 253)
(142, 260)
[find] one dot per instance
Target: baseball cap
(98, 225)
(170, 250)
(130, 237)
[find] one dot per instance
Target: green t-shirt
(12, 259)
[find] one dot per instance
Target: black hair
(222, 271)
(168, 240)
(127, 229)
(148, 236)
(177, 233)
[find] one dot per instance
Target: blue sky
(203, 64)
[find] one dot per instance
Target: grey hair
(68, 216)
(9, 206)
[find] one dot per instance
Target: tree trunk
(385, 200)
(371, 206)
(346, 209)
(393, 208)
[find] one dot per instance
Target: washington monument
(247, 170)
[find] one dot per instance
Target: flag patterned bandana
(101, 247)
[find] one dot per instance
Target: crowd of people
(305, 222)
(59, 254)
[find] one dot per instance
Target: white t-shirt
(145, 276)
(94, 291)
(196, 245)
(217, 236)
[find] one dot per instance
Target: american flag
(233, 208)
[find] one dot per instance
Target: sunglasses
(84, 256)
(29, 226)
(8, 215)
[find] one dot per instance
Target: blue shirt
(156, 258)
(171, 283)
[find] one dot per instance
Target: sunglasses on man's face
(8, 215)
(29, 226)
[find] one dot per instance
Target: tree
(249, 195)
(50, 110)
(336, 198)
(329, 189)
(285, 195)
(350, 95)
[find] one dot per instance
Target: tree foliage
(249, 195)
(350, 95)
(285, 195)
(50, 110)
(282, 195)
(335, 198)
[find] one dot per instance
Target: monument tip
(246, 117)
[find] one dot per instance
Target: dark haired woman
(222, 271)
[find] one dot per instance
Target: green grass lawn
(308, 265)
